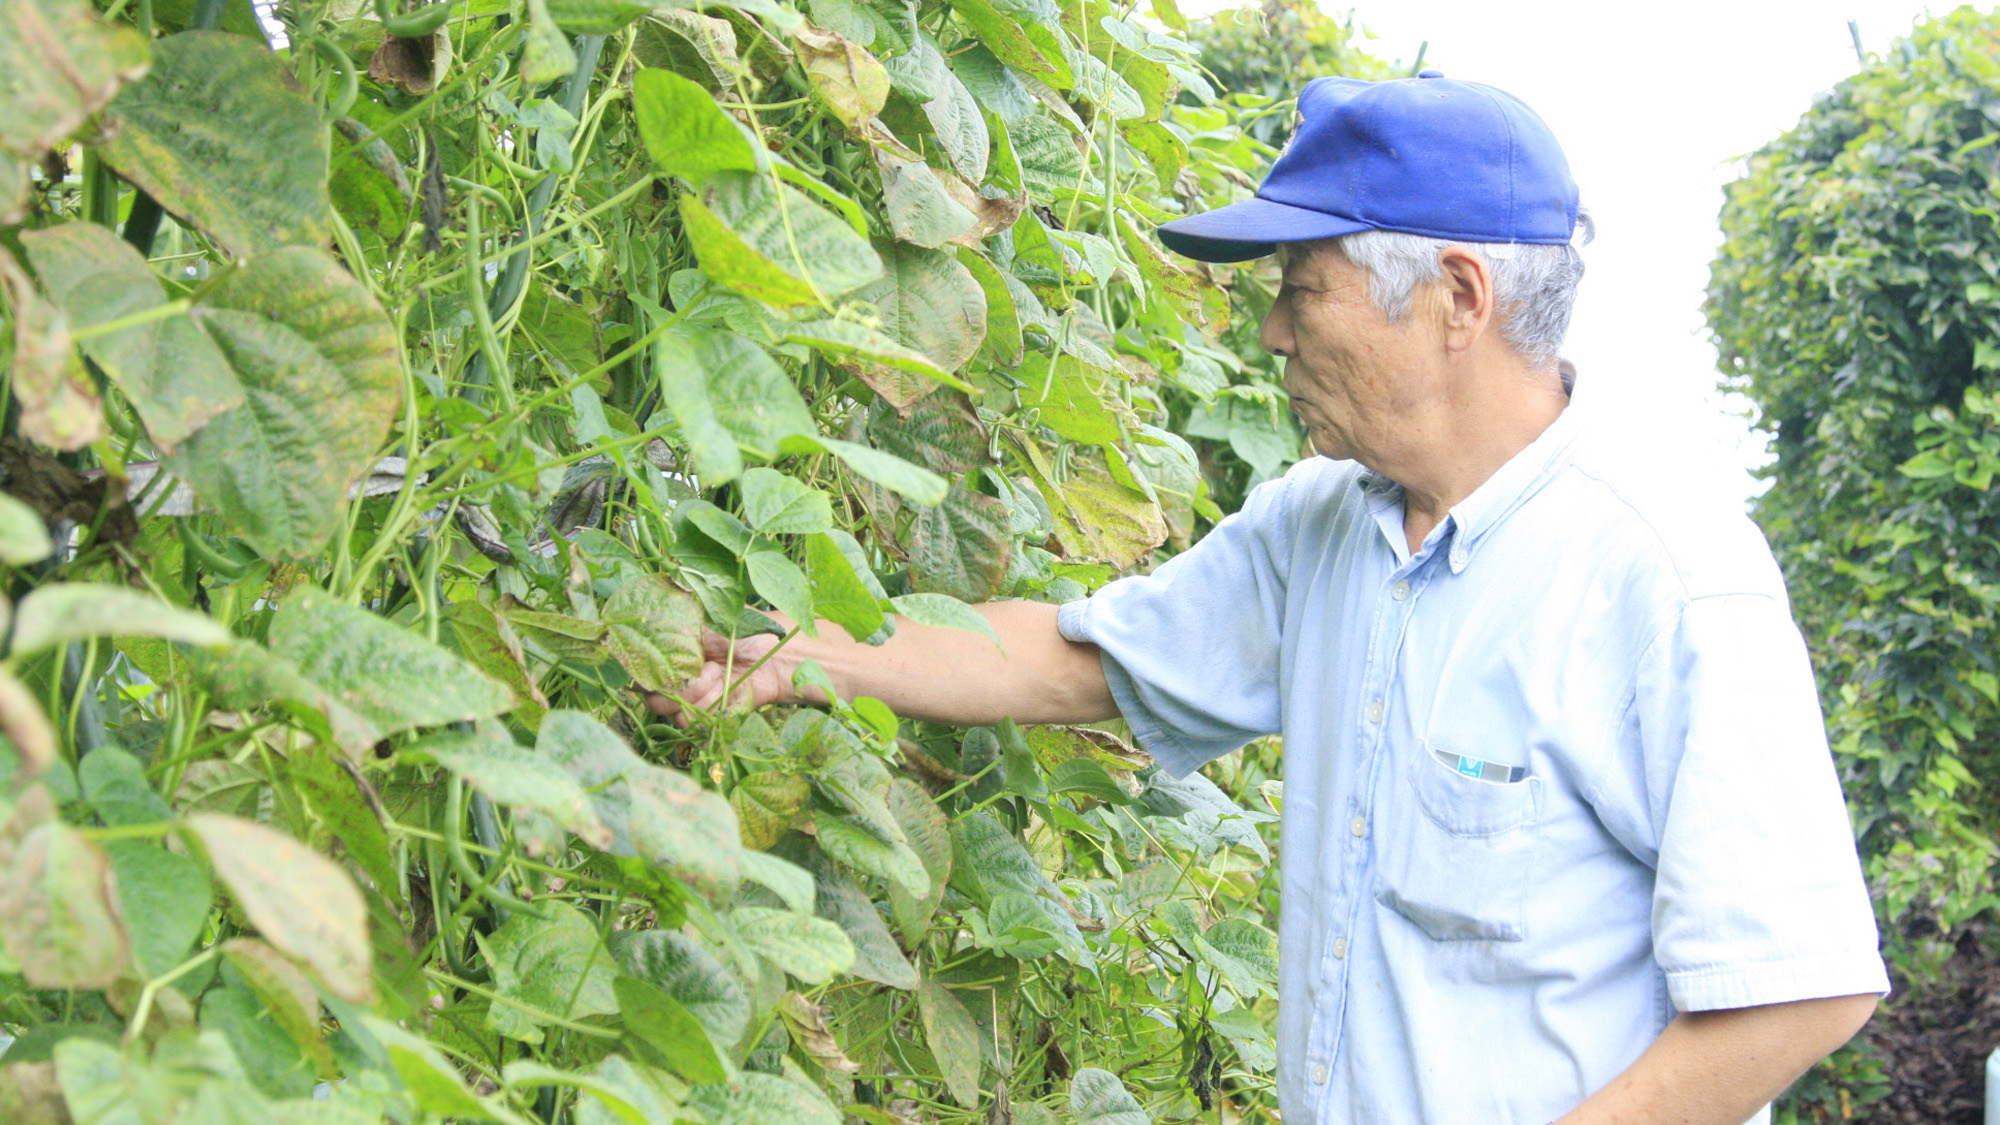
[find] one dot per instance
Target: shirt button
(1374, 712)
(1359, 827)
(1457, 561)
(1400, 591)
(1340, 949)
(1319, 1075)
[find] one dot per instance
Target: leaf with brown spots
(302, 902)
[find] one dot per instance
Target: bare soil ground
(1933, 1041)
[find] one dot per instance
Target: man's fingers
(714, 645)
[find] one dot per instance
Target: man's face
(1357, 383)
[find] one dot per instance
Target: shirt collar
(1521, 477)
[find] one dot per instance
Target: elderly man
(1561, 838)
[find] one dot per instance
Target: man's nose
(1275, 335)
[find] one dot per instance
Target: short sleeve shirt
(1550, 779)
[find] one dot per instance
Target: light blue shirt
(1549, 780)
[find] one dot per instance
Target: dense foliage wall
(1856, 301)
(385, 413)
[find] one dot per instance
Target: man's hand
(1718, 1068)
(923, 672)
(747, 665)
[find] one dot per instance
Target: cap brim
(1250, 229)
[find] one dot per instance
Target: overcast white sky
(1654, 104)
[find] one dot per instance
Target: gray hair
(1534, 285)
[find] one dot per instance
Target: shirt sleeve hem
(1178, 756)
(1777, 982)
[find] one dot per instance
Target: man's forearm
(960, 676)
(1718, 1068)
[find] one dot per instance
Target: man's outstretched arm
(923, 672)
(1718, 1068)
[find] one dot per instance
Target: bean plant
(395, 395)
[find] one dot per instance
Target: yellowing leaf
(222, 136)
(62, 64)
(58, 910)
(301, 901)
(851, 82)
(59, 407)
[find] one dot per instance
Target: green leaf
(1081, 775)
(942, 433)
(1029, 927)
(77, 611)
(1163, 149)
(866, 851)
(842, 902)
(1244, 953)
(771, 243)
(58, 918)
(988, 860)
(1097, 1097)
(24, 538)
(838, 594)
(776, 504)
(954, 114)
(1050, 162)
(493, 764)
(163, 899)
(658, 1020)
(287, 995)
(546, 54)
(865, 350)
(680, 967)
(945, 612)
(953, 1040)
(782, 877)
(920, 210)
(755, 1098)
(915, 483)
(220, 134)
(929, 302)
(1003, 34)
(173, 374)
(301, 333)
(1003, 344)
(929, 834)
(433, 1082)
(653, 813)
(246, 676)
(368, 664)
(779, 580)
(685, 132)
(555, 965)
(302, 902)
(114, 782)
(727, 394)
(489, 642)
(1068, 397)
(962, 548)
(811, 949)
(624, 1093)
(654, 631)
(63, 64)
(849, 80)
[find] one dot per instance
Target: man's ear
(1468, 306)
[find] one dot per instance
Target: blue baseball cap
(1428, 155)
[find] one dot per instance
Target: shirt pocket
(1456, 854)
